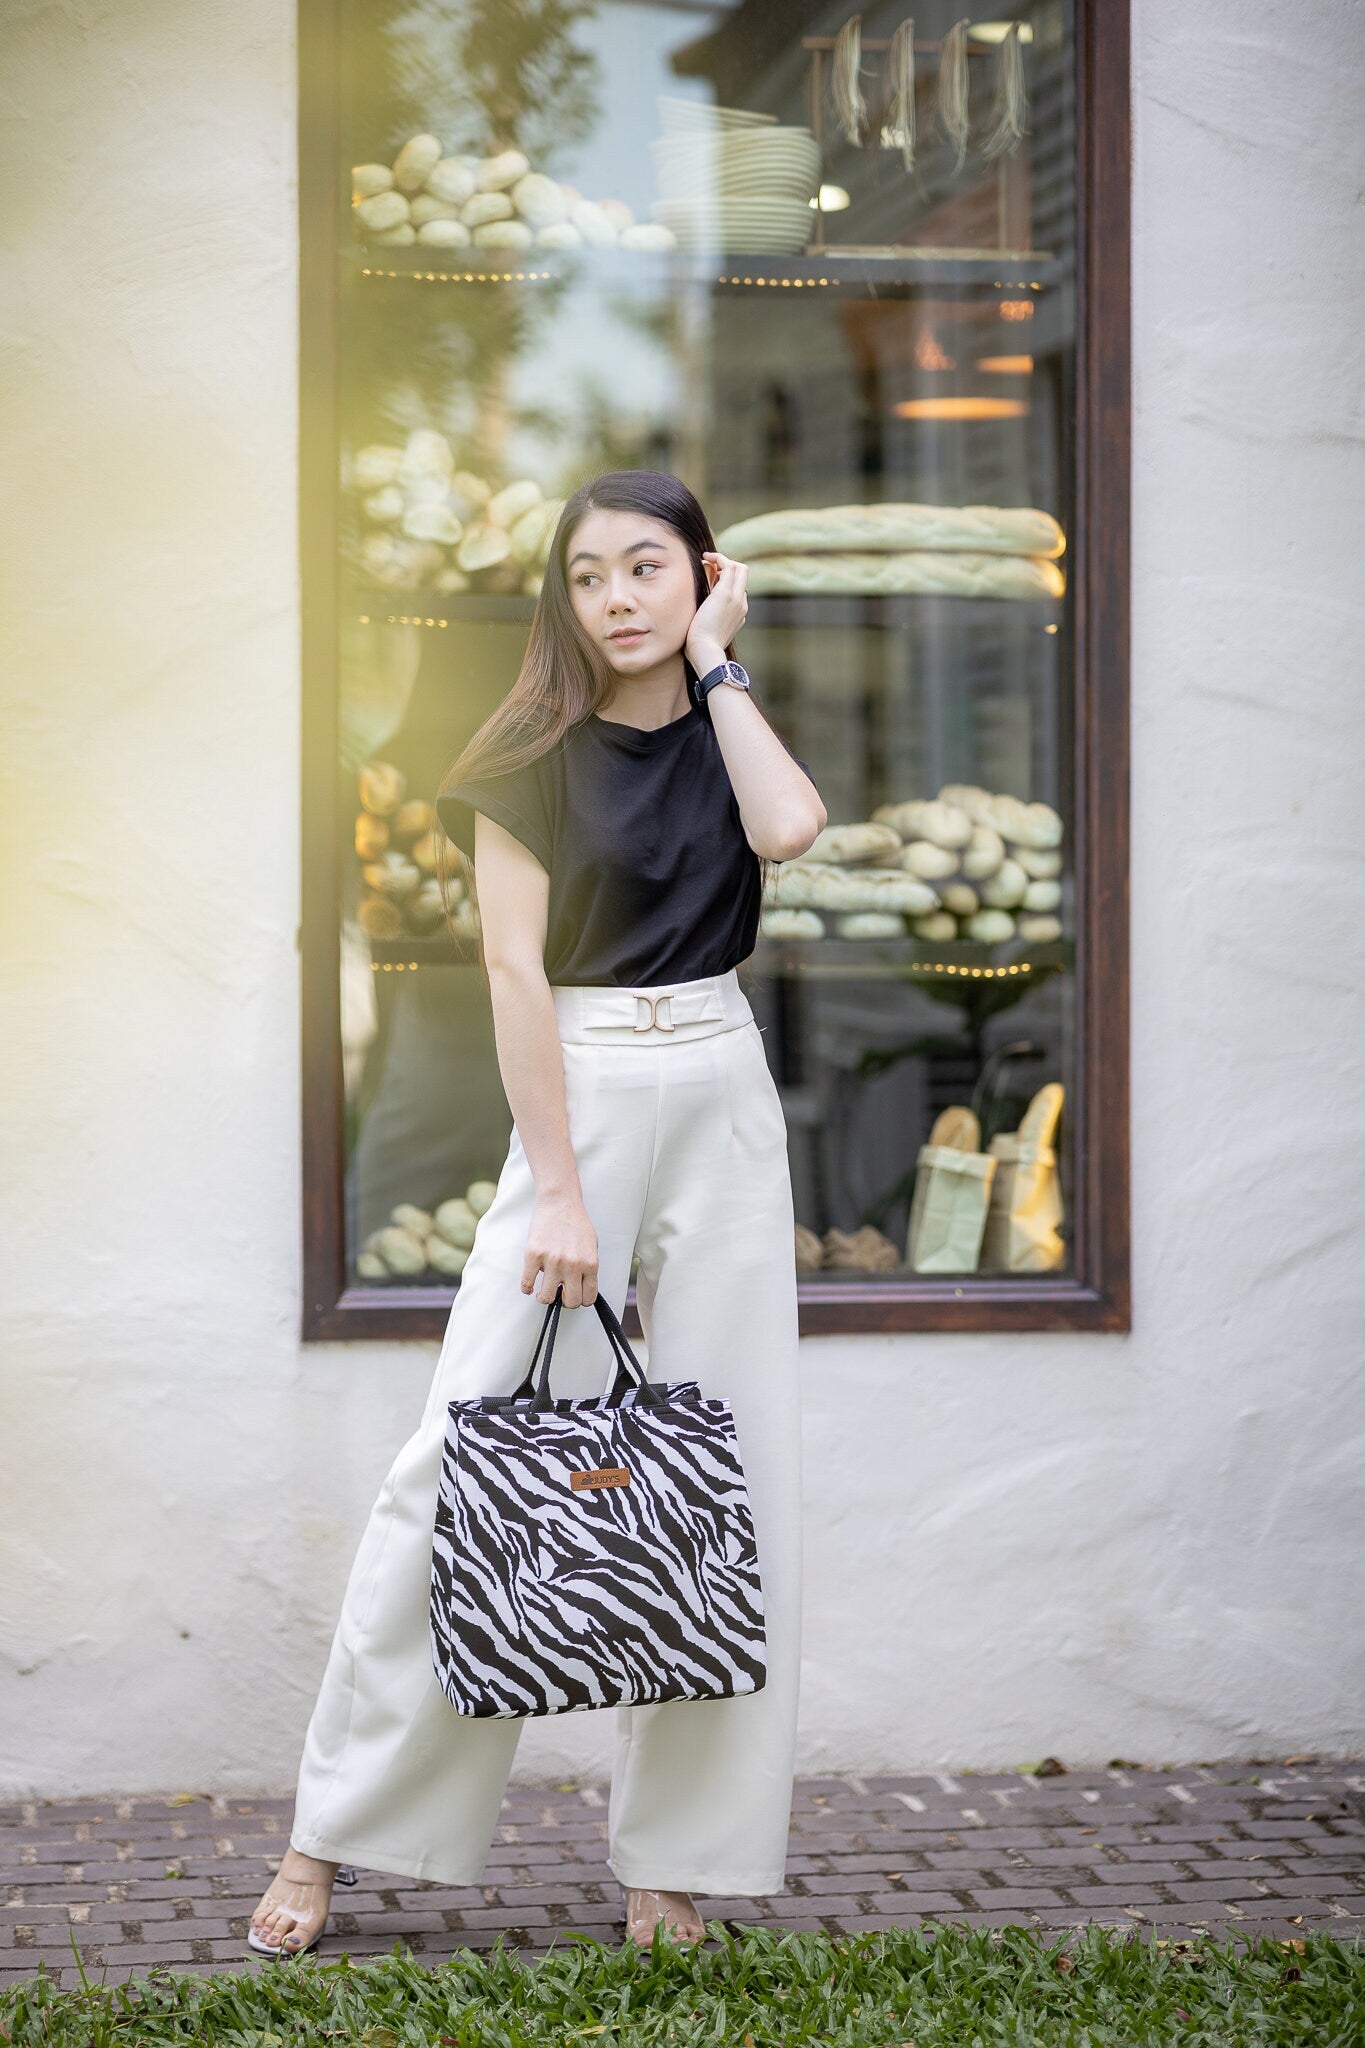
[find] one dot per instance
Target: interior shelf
(829, 608)
(899, 273)
(810, 959)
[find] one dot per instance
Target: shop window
(861, 282)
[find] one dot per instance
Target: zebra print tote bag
(596, 1552)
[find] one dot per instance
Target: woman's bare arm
(514, 897)
(779, 805)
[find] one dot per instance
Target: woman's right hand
(561, 1247)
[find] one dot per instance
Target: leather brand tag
(605, 1475)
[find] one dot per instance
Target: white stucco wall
(1094, 1546)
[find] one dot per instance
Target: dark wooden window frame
(1096, 1294)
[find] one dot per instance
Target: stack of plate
(734, 180)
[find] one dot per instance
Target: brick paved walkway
(1268, 1847)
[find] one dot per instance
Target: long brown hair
(564, 675)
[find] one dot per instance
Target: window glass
(822, 267)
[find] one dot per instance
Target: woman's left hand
(721, 614)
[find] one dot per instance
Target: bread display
(428, 524)
(419, 1244)
(395, 846)
(1022, 1230)
(953, 1179)
(919, 572)
(894, 528)
(900, 549)
(961, 865)
(429, 199)
(866, 1250)
(994, 1211)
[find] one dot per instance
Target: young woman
(627, 793)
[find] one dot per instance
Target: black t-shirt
(651, 877)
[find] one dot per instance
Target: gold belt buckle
(653, 1019)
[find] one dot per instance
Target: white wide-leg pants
(681, 1148)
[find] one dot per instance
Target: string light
(1010, 309)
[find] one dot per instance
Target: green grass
(930, 1986)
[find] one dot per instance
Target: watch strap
(724, 672)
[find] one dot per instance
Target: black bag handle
(629, 1370)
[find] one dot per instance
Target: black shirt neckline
(638, 739)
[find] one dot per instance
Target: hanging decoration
(846, 97)
(900, 73)
(1009, 111)
(953, 115)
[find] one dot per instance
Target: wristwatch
(728, 672)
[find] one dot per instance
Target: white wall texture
(1144, 1546)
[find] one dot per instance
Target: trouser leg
(701, 1796)
(392, 1777)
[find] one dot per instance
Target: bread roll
(810, 1253)
(508, 504)
(451, 180)
(983, 855)
(482, 546)
(375, 465)
(426, 453)
(444, 234)
(1043, 863)
(932, 863)
(469, 493)
(495, 173)
(870, 924)
(503, 234)
(412, 819)
(381, 210)
(791, 924)
(484, 207)
(371, 836)
(943, 824)
(818, 885)
(851, 843)
(367, 179)
(456, 1222)
(445, 1258)
(409, 1217)
(426, 207)
(1005, 888)
(990, 927)
(401, 1252)
(539, 200)
(432, 522)
(415, 162)
(1042, 895)
(384, 506)
(382, 787)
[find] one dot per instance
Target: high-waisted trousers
(681, 1148)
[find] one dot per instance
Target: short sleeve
(516, 801)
